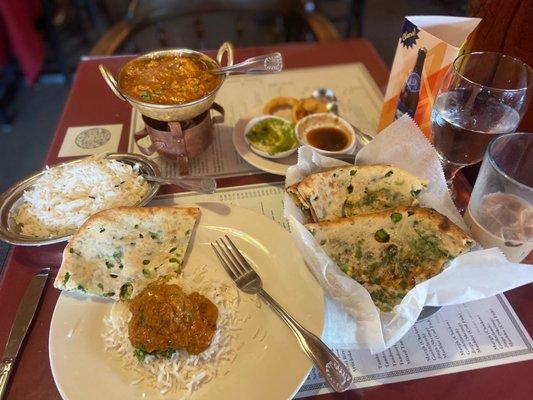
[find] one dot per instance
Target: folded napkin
(352, 320)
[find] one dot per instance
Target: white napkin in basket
(351, 319)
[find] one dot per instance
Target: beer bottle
(408, 100)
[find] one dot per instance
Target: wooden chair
(281, 20)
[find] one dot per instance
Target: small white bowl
(254, 121)
(320, 120)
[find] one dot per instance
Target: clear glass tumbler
(500, 212)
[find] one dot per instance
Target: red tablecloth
(91, 103)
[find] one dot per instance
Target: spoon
(265, 64)
(327, 96)
(200, 185)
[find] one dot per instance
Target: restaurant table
(91, 103)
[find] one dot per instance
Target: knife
(23, 319)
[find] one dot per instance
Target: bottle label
(413, 82)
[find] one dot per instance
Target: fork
(246, 279)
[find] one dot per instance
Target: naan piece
(292, 191)
(389, 252)
(117, 252)
(353, 190)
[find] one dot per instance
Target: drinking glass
(483, 95)
(500, 212)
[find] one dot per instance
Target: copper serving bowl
(173, 112)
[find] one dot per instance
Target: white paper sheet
(359, 98)
(458, 338)
(356, 321)
(89, 140)
(264, 198)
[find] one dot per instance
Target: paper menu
(458, 338)
(360, 99)
(360, 102)
(266, 199)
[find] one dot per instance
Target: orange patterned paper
(439, 56)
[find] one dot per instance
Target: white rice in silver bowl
(65, 196)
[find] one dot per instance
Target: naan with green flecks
(353, 190)
(391, 251)
(117, 252)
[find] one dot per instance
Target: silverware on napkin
(333, 370)
(23, 318)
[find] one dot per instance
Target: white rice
(64, 197)
(182, 373)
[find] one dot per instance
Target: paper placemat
(469, 336)
(359, 98)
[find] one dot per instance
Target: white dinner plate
(269, 365)
(277, 166)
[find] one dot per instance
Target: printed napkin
(352, 320)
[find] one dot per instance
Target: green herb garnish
(396, 217)
(74, 251)
(140, 354)
(66, 278)
(125, 291)
(145, 95)
(117, 255)
(382, 236)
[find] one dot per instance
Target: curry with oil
(165, 318)
(168, 78)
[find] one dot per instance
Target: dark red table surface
(91, 103)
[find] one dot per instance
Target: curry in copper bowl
(170, 85)
(167, 78)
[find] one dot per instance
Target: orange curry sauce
(168, 78)
(165, 318)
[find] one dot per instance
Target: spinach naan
(117, 252)
(353, 190)
(389, 252)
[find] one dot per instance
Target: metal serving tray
(12, 198)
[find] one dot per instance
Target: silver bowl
(173, 112)
(12, 198)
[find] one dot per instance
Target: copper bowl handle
(111, 82)
(227, 48)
